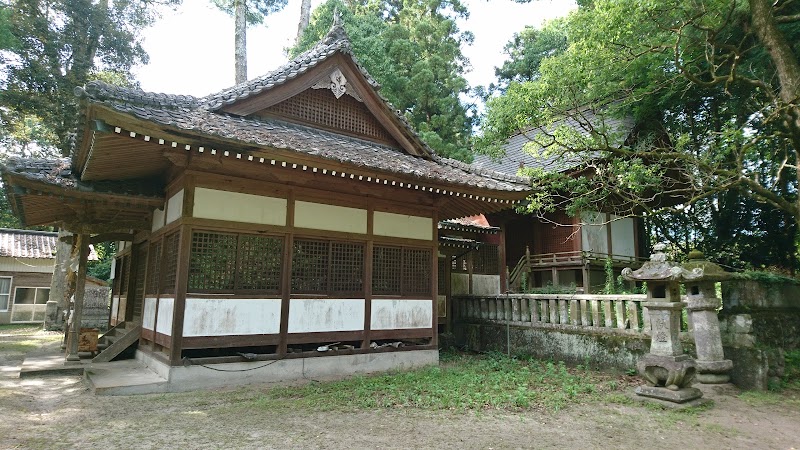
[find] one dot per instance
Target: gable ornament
(337, 85)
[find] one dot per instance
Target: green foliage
(55, 46)
(101, 269)
(715, 122)
(765, 277)
(461, 382)
(413, 49)
(256, 10)
(550, 288)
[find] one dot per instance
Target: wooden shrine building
(264, 222)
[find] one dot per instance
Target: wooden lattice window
(260, 261)
(401, 271)
(153, 268)
(386, 267)
(347, 267)
(310, 266)
(417, 272)
(486, 260)
(212, 262)
(235, 263)
(170, 268)
(323, 267)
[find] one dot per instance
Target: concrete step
(123, 378)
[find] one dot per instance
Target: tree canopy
(712, 87)
(52, 46)
(413, 49)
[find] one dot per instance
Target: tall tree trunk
(240, 40)
(305, 16)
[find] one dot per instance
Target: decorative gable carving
(337, 85)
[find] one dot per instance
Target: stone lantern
(702, 304)
(667, 371)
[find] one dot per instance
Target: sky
(191, 48)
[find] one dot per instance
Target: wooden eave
(355, 81)
(220, 156)
(39, 203)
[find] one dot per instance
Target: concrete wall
(760, 320)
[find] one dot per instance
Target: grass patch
(460, 382)
(19, 346)
(20, 329)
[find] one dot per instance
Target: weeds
(461, 382)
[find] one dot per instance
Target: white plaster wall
(114, 306)
(158, 219)
(594, 237)
(149, 313)
(175, 207)
(166, 307)
(401, 314)
(232, 316)
(320, 315)
(8, 264)
(319, 216)
(622, 237)
(485, 284)
(238, 207)
(402, 226)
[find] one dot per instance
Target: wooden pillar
(181, 285)
(501, 259)
(80, 288)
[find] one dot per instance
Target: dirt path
(59, 412)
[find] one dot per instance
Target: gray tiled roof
(203, 117)
(516, 157)
(58, 173)
(27, 244)
(335, 41)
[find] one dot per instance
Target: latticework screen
(260, 261)
(212, 262)
(416, 271)
(347, 267)
(153, 268)
(486, 260)
(170, 268)
(386, 270)
(310, 266)
(321, 107)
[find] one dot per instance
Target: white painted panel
(175, 207)
(238, 207)
(114, 306)
(485, 284)
(622, 237)
(158, 219)
(149, 313)
(43, 265)
(402, 226)
(319, 315)
(594, 237)
(318, 216)
(401, 314)
(165, 312)
(232, 316)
